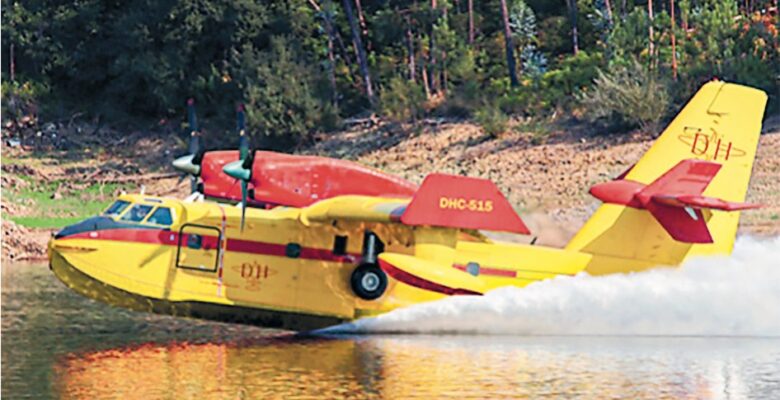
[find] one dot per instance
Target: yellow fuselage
(280, 271)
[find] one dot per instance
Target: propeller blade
(243, 203)
(194, 146)
(243, 143)
(192, 121)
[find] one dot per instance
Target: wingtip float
(318, 241)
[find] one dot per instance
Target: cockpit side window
(137, 213)
(161, 216)
(116, 208)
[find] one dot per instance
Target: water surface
(56, 344)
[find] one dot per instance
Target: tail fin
(720, 124)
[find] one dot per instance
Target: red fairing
(460, 202)
(299, 181)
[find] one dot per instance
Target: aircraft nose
(236, 170)
(185, 164)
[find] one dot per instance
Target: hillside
(545, 177)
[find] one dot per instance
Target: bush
(402, 100)
(492, 120)
(20, 103)
(281, 102)
(628, 94)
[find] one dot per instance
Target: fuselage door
(198, 248)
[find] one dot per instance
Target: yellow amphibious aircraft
(349, 256)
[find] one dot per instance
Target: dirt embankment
(546, 177)
(70, 172)
(548, 182)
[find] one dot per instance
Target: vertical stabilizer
(720, 124)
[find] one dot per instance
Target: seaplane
(304, 242)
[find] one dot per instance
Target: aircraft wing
(355, 208)
(447, 201)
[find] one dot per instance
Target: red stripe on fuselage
(421, 283)
(170, 238)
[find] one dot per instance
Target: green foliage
(627, 94)
(402, 100)
(281, 101)
(492, 120)
(295, 65)
(20, 101)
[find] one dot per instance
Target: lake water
(56, 344)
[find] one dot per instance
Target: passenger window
(161, 216)
(116, 208)
(137, 213)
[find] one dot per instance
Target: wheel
(368, 281)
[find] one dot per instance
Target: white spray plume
(718, 296)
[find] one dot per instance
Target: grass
(45, 212)
(46, 222)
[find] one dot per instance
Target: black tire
(368, 281)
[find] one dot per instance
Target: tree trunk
(572, 6)
(361, 18)
(674, 44)
(332, 60)
(510, 52)
(471, 21)
(651, 47)
(361, 52)
(12, 66)
(432, 51)
(410, 49)
(608, 5)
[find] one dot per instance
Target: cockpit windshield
(116, 208)
(161, 216)
(137, 213)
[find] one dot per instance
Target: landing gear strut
(368, 281)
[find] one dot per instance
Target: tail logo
(713, 147)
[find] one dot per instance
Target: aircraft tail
(683, 197)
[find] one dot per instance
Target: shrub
(492, 120)
(628, 94)
(281, 102)
(402, 100)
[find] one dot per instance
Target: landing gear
(368, 281)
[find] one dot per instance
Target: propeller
(239, 169)
(190, 163)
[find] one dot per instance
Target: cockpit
(145, 211)
(129, 211)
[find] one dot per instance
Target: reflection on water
(56, 344)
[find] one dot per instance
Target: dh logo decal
(713, 147)
(254, 274)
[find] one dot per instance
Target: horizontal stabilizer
(675, 200)
(695, 201)
(461, 202)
